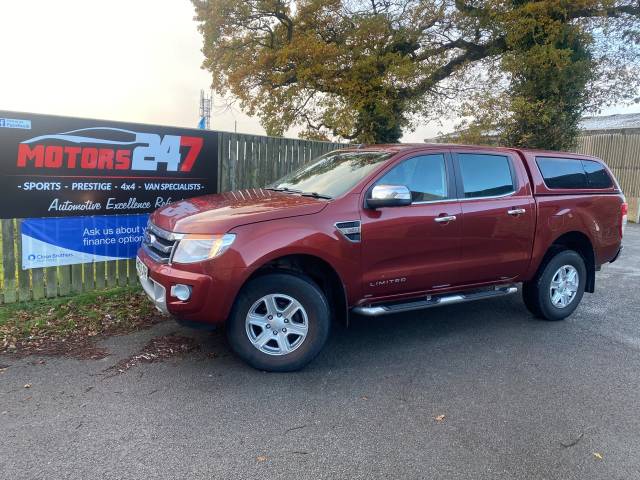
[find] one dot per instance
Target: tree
(562, 59)
(368, 70)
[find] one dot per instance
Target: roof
(383, 147)
(401, 147)
(611, 122)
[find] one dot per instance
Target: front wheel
(279, 322)
(558, 288)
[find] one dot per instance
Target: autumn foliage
(369, 70)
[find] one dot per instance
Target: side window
(562, 172)
(425, 176)
(573, 173)
(485, 175)
(597, 176)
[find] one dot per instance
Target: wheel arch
(580, 243)
(317, 269)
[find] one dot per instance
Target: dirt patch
(73, 346)
(157, 350)
(71, 327)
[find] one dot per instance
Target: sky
(127, 60)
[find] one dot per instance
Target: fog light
(181, 292)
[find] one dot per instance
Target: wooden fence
(248, 161)
(621, 150)
(245, 161)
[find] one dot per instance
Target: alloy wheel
(277, 324)
(564, 286)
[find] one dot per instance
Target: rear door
(498, 216)
(416, 247)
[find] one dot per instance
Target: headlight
(195, 248)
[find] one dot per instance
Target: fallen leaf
(439, 418)
(364, 397)
(598, 455)
(261, 458)
(27, 385)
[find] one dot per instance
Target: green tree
(369, 70)
(562, 59)
(551, 68)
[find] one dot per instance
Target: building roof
(611, 122)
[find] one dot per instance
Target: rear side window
(425, 176)
(573, 173)
(562, 172)
(597, 176)
(485, 175)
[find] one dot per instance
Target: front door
(413, 248)
(498, 216)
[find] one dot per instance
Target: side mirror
(388, 196)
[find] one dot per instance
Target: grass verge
(70, 326)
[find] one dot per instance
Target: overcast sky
(129, 60)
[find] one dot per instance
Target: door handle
(445, 219)
(516, 211)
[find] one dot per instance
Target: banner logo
(105, 148)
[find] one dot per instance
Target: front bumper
(155, 291)
(212, 293)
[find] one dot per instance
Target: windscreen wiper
(300, 192)
(315, 195)
(283, 189)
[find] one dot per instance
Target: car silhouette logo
(95, 135)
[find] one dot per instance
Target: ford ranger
(380, 230)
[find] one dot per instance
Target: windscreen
(332, 174)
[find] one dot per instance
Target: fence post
(51, 281)
(8, 261)
(24, 286)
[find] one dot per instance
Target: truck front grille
(159, 243)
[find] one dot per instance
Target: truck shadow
(367, 339)
(372, 342)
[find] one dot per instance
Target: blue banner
(48, 242)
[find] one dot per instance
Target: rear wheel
(558, 287)
(279, 322)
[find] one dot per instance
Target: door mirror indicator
(388, 196)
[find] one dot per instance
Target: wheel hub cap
(564, 286)
(277, 324)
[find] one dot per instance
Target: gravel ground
(476, 391)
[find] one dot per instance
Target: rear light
(624, 210)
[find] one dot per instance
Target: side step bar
(433, 301)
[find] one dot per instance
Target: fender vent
(351, 230)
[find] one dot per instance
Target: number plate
(142, 269)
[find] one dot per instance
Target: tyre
(279, 322)
(558, 287)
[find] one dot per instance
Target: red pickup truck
(379, 230)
